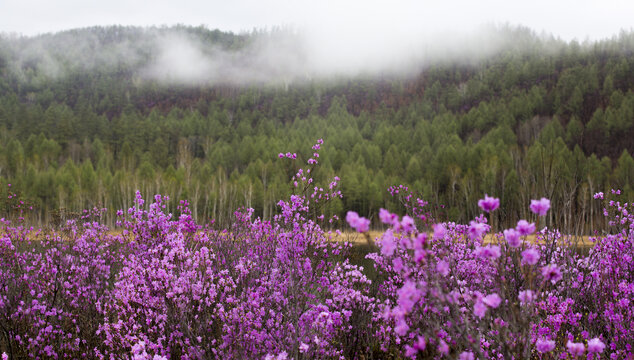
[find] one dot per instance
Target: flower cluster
(165, 287)
(453, 295)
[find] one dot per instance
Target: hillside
(88, 116)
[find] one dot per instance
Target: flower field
(168, 288)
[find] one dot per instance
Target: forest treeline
(539, 118)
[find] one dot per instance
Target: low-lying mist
(198, 56)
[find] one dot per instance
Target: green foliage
(523, 123)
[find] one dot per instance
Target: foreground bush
(449, 294)
(167, 288)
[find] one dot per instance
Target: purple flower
(408, 295)
(526, 296)
(477, 229)
(439, 231)
(492, 300)
(386, 217)
(551, 272)
(595, 345)
(466, 355)
(544, 345)
(352, 217)
(410, 352)
(479, 309)
(420, 241)
(540, 207)
(442, 267)
(575, 349)
(387, 243)
(489, 204)
(401, 327)
(525, 228)
(443, 348)
(361, 224)
(407, 223)
(530, 256)
(420, 343)
(488, 252)
(397, 263)
(512, 237)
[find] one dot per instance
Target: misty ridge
(196, 56)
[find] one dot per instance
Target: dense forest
(537, 117)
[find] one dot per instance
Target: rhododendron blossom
(525, 228)
(540, 207)
(357, 222)
(163, 286)
(489, 204)
(530, 256)
(575, 349)
(595, 346)
(544, 345)
(552, 273)
(512, 237)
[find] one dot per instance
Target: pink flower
(544, 345)
(420, 343)
(479, 309)
(530, 256)
(489, 204)
(443, 348)
(512, 237)
(575, 349)
(401, 327)
(442, 267)
(525, 228)
(477, 229)
(526, 296)
(492, 300)
(352, 217)
(386, 217)
(540, 207)
(439, 231)
(410, 352)
(488, 252)
(420, 241)
(397, 264)
(595, 345)
(407, 223)
(361, 224)
(466, 355)
(387, 243)
(408, 295)
(551, 272)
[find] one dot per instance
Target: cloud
(268, 57)
(186, 56)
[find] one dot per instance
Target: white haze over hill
(180, 56)
(329, 38)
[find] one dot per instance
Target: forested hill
(89, 116)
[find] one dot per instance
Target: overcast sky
(387, 19)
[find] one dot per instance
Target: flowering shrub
(450, 294)
(166, 287)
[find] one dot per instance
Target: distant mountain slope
(88, 116)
